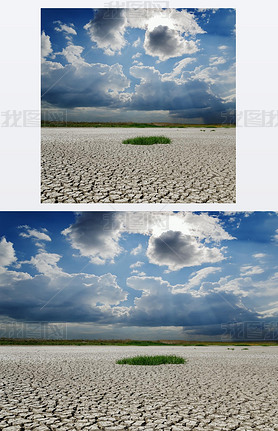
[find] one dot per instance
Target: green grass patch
(152, 360)
(245, 348)
(147, 140)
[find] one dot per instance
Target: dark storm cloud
(186, 98)
(75, 298)
(96, 235)
(107, 28)
(165, 43)
(177, 250)
(82, 85)
(158, 306)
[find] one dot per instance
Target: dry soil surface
(82, 388)
(86, 165)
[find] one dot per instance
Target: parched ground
(82, 388)
(86, 165)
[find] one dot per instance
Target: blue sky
(174, 65)
(139, 275)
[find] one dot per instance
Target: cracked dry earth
(82, 388)
(87, 165)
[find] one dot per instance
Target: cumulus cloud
(73, 54)
(178, 68)
(136, 264)
(107, 30)
(34, 233)
(275, 237)
(157, 92)
(259, 255)
(136, 250)
(7, 258)
(177, 251)
(247, 270)
(47, 66)
(68, 29)
(137, 55)
(47, 264)
(215, 61)
(176, 240)
(46, 47)
(80, 297)
(165, 30)
(158, 306)
(96, 235)
(7, 253)
(137, 42)
(200, 275)
(166, 43)
(84, 84)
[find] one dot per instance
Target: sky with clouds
(140, 65)
(139, 275)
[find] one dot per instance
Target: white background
(257, 75)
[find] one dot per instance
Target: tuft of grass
(147, 140)
(230, 348)
(245, 348)
(151, 360)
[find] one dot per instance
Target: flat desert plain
(86, 165)
(82, 388)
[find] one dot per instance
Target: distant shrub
(147, 140)
(152, 360)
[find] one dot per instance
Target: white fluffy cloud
(68, 29)
(177, 70)
(247, 270)
(137, 264)
(137, 42)
(73, 55)
(7, 253)
(47, 264)
(46, 47)
(137, 250)
(259, 255)
(7, 258)
(34, 233)
(47, 66)
(200, 275)
(215, 61)
(275, 237)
